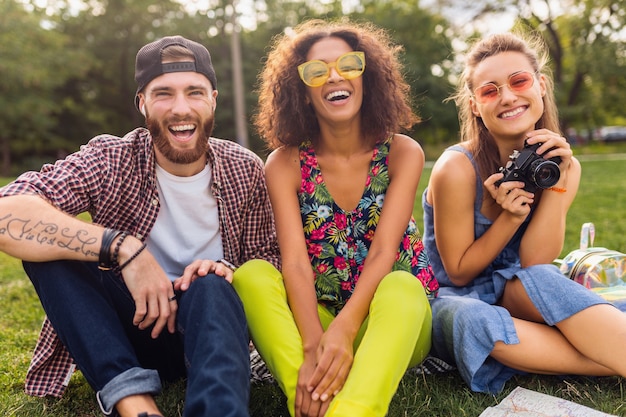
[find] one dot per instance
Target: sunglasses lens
(521, 81)
(486, 93)
(315, 73)
(350, 65)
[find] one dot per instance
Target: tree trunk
(5, 155)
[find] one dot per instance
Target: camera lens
(544, 174)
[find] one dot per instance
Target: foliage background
(67, 65)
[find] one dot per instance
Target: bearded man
(142, 293)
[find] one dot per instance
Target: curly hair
(473, 130)
(285, 118)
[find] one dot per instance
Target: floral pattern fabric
(338, 241)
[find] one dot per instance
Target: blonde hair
(473, 130)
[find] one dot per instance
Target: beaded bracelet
(104, 258)
(129, 260)
(116, 251)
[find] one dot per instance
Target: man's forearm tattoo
(47, 234)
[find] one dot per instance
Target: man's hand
(200, 268)
(150, 288)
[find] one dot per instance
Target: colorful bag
(600, 269)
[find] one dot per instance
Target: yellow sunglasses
(315, 73)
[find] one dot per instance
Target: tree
(111, 32)
(426, 38)
(34, 62)
(589, 59)
(587, 49)
(114, 30)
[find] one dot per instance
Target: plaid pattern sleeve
(246, 219)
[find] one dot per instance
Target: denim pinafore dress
(466, 320)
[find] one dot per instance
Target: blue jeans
(92, 311)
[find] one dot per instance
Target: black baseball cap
(148, 64)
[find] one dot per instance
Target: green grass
(601, 199)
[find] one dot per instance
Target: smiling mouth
(182, 131)
(513, 113)
(338, 95)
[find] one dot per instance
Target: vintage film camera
(531, 168)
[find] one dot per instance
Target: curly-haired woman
(349, 312)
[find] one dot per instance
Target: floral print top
(338, 241)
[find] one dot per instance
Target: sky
(458, 15)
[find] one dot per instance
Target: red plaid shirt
(114, 180)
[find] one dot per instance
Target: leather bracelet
(129, 260)
(104, 258)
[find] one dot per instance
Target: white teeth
(182, 128)
(513, 112)
(340, 93)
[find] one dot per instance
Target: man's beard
(188, 156)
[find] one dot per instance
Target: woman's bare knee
(516, 301)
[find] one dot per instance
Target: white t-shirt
(187, 227)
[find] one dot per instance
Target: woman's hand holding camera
(552, 145)
(536, 168)
(510, 195)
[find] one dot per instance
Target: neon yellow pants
(395, 336)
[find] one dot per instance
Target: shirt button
(155, 202)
